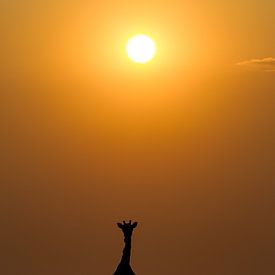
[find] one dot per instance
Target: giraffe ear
(119, 225)
(134, 224)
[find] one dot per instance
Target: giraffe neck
(124, 267)
(126, 255)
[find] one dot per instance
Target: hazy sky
(185, 144)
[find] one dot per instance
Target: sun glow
(141, 49)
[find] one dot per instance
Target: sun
(141, 48)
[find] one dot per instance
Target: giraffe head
(127, 228)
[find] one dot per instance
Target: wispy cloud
(266, 64)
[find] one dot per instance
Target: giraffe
(124, 267)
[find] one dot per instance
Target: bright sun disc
(141, 48)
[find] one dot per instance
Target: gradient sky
(185, 144)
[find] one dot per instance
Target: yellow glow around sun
(141, 48)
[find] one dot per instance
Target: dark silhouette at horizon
(124, 267)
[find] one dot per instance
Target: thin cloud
(266, 64)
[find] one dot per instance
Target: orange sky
(184, 144)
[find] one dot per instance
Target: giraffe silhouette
(124, 267)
